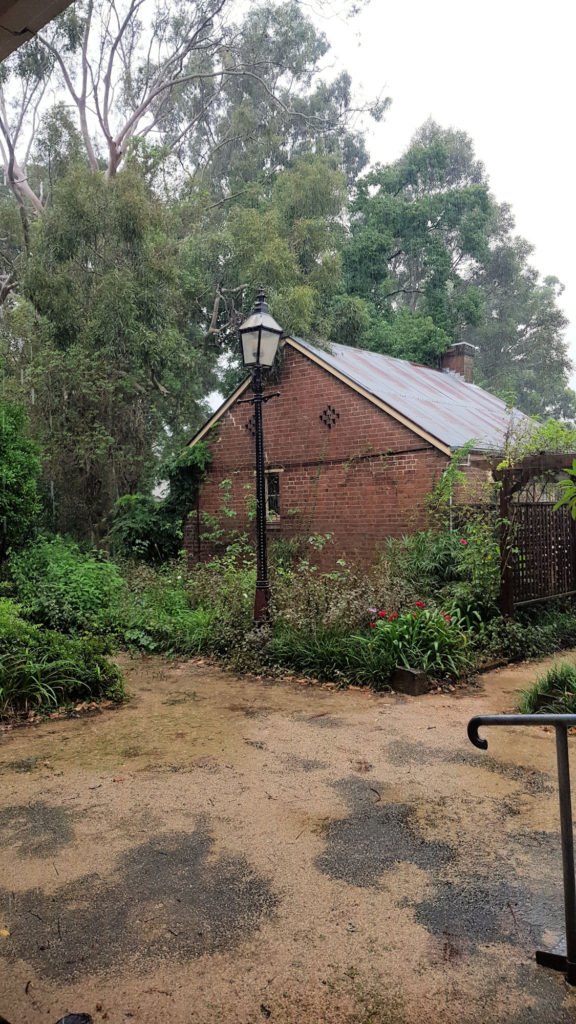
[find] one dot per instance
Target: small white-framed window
(273, 494)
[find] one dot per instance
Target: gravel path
(235, 850)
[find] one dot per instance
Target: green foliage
(40, 669)
(144, 528)
(451, 479)
(155, 613)
(304, 598)
(332, 655)
(536, 633)
(422, 638)
(460, 567)
(185, 472)
(103, 345)
(478, 564)
(522, 350)
(149, 529)
(60, 586)
(415, 224)
(427, 561)
(526, 438)
(553, 693)
(434, 259)
(408, 334)
(568, 488)
(19, 470)
(289, 241)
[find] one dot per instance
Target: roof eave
(218, 413)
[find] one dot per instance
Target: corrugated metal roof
(439, 402)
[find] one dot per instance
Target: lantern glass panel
(250, 347)
(268, 347)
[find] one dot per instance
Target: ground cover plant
(552, 693)
(40, 669)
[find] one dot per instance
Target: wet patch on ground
(322, 720)
(250, 710)
(487, 910)
(477, 912)
(168, 897)
(403, 752)
(301, 764)
(545, 989)
(375, 838)
(184, 697)
(37, 829)
(27, 764)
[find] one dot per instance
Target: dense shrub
(330, 654)
(42, 669)
(155, 612)
(144, 528)
(459, 567)
(149, 529)
(305, 597)
(426, 561)
(324, 624)
(60, 586)
(536, 633)
(19, 471)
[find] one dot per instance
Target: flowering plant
(425, 639)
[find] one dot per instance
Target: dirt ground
(238, 850)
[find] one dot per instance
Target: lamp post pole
(262, 596)
(259, 339)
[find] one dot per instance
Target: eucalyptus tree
(419, 228)
(432, 259)
(99, 346)
(141, 143)
(204, 91)
(522, 353)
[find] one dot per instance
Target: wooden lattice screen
(537, 543)
(543, 559)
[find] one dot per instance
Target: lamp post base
(261, 602)
(557, 960)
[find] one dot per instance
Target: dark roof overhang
(20, 20)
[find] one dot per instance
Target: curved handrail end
(473, 726)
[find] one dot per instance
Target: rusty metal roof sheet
(438, 401)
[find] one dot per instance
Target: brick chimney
(460, 359)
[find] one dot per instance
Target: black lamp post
(259, 338)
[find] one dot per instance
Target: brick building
(354, 443)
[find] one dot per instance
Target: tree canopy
(19, 471)
(433, 259)
(163, 161)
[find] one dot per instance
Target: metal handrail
(561, 723)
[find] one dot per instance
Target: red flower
(414, 616)
(373, 625)
(463, 541)
(382, 614)
(420, 604)
(393, 615)
(448, 619)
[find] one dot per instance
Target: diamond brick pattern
(329, 417)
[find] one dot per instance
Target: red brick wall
(363, 480)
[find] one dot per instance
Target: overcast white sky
(502, 70)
